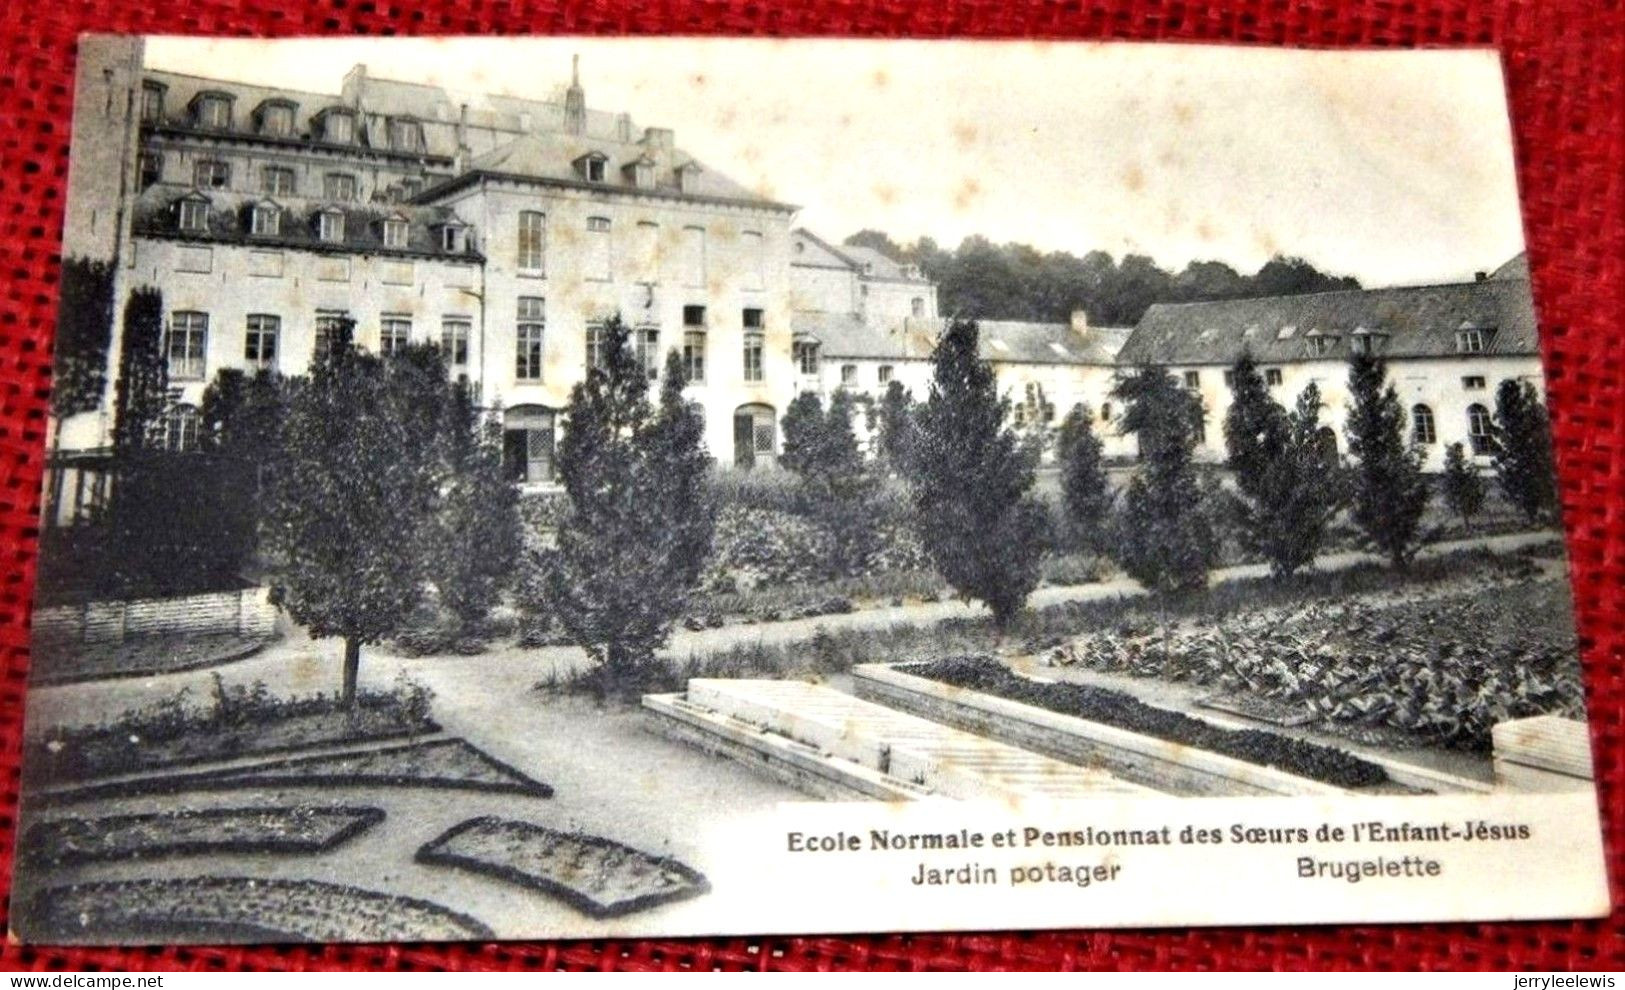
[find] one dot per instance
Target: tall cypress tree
(1085, 493)
(972, 479)
(1164, 531)
(1523, 450)
(1390, 492)
(84, 327)
(142, 392)
(474, 542)
(1463, 488)
(630, 549)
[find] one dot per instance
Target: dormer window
(1368, 341)
(688, 175)
(593, 166)
(405, 134)
(642, 172)
(211, 174)
(338, 126)
(152, 102)
(212, 111)
(395, 231)
(1321, 345)
(1473, 340)
(275, 118)
(192, 214)
(454, 238)
(339, 187)
(330, 226)
(265, 219)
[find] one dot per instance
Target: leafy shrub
(763, 546)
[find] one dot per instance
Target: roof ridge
(1330, 292)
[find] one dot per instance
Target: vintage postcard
(565, 487)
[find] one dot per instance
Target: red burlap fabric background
(1564, 60)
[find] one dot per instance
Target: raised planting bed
(1161, 749)
(282, 830)
(242, 721)
(601, 878)
(444, 763)
(214, 909)
(1442, 667)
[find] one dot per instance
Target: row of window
(849, 372)
(214, 110)
(1272, 376)
(186, 346)
(330, 225)
(1469, 340)
(275, 180)
(597, 261)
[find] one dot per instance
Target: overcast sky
(1395, 167)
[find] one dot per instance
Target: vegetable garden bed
(445, 763)
(601, 878)
(207, 909)
(281, 830)
(1122, 711)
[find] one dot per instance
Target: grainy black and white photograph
(571, 487)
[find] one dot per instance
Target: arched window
(181, 428)
(755, 439)
(1479, 429)
(1422, 430)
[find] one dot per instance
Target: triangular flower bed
(448, 763)
(199, 831)
(209, 908)
(599, 877)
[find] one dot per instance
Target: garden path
(495, 680)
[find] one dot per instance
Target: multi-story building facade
(506, 230)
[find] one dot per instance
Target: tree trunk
(352, 666)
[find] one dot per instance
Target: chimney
(1080, 322)
(658, 139)
(575, 100)
(623, 128)
(1481, 276)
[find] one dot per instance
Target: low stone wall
(247, 612)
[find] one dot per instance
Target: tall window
(194, 215)
(395, 231)
(394, 333)
(188, 339)
(338, 128)
(753, 355)
(152, 168)
(527, 443)
(339, 186)
(532, 242)
(849, 374)
(327, 322)
(597, 341)
(598, 248)
(265, 220)
(916, 306)
(1471, 340)
(646, 343)
(454, 333)
(528, 330)
(181, 425)
(260, 348)
(211, 174)
(453, 238)
(1479, 430)
(1422, 429)
(694, 343)
(330, 226)
(276, 180)
(885, 374)
(646, 251)
(805, 353)
(692, 257)
(1193, 379)
(755, 260)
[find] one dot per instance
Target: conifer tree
(894, 427)
(1389, 490)
(1463, 488)
(1523, 450)
(836, 484)
(1164, 530)
(142, 392)
(631, 547)
(355, 491)
(84, 328)
(475, 539)
(1085, 493)
(972, 478)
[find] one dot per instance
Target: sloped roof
(553, 156)
(1420, 321)
(1516, 267)
(1006, 341)
(875, 264)
(813, 251)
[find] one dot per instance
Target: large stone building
(506, 230)
(1447, 348)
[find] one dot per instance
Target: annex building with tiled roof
(1447, 347)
